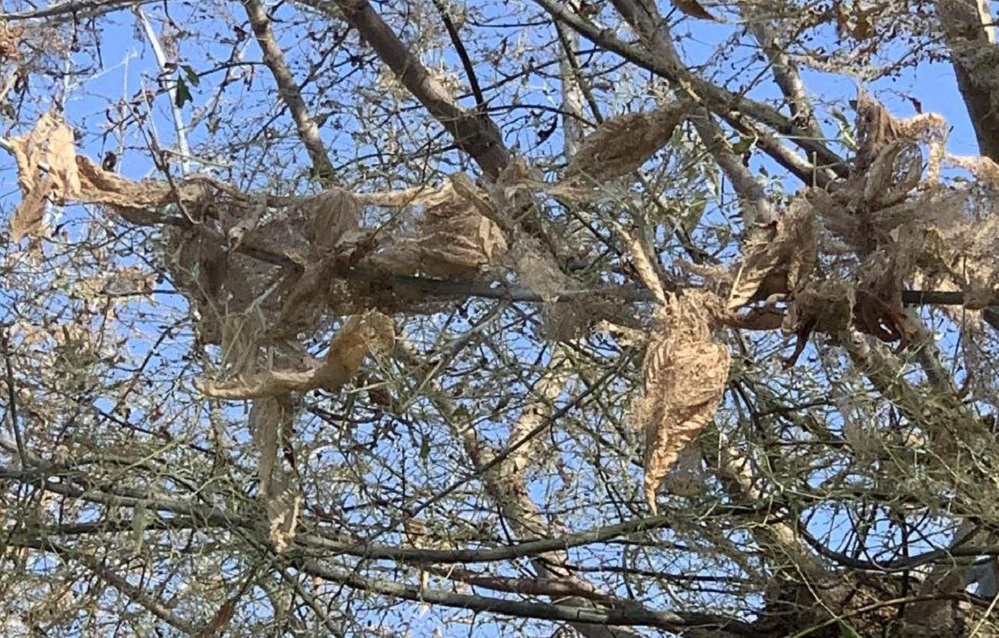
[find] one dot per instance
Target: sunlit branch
(288, 91)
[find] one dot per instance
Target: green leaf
(845, 128)
(183, 93)
(743, 145)
(846, 631)
(192, 75)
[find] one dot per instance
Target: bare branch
(474, 133)
(289, 92)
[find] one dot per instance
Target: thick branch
(288, 90)
(473, 133)
(974, 55)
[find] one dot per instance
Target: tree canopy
(509, 317)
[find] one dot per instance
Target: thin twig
(12, 397)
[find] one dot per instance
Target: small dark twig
(459, 47)
(12, 397)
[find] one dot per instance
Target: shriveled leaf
(622, 144)
(537, 270)
(453, 238)
(684, 376)
(46, 165)
(778, 257)
(334, 215)
(895, 171)
(283, 511)
(27, 218)
(359, 335)
(269, 417)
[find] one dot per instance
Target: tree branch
(974, 55)
(693, 624)
(288, 91)
(474, 133)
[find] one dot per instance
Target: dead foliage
(537, 270)
(10, 39)
(358, 337)
(684, 374)
(886, 225)
(453, 237)
(271, 420)
(46, 167)
(777, 258)
(622, 144)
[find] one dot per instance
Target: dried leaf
(453, 238)
(334, 214)
(778, 257)
(537, 270)
(684, 376)
(622, 144)
(269, 418)
(10, 39)
(46, 165)
(27, 218)
(283, 511)
(641, 259)
(895, 171)
(876, 128)
(359, 336)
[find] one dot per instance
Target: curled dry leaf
(334, 215)
(270, 422)
(537, 270)
(778, 257)
(642, 261)
(283, 511)
(684, 375)
(876, 128)
(826, 306)
(46, 165)
(359, 336)
(622, 144)
(10, 40)
(453, 237)
(895, 171)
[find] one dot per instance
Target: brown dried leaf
(46, 165)
(622, 144)
(642, 261)
(61, 159)
(684, 375)
(283, 511)
(10, 39)
(359, 336)
(27, 218)
(269, 418)
(334, 214)
(537, 270)
(895, 171)
(453, 237)
(876, 128)
(826, 306)
(778, 257)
